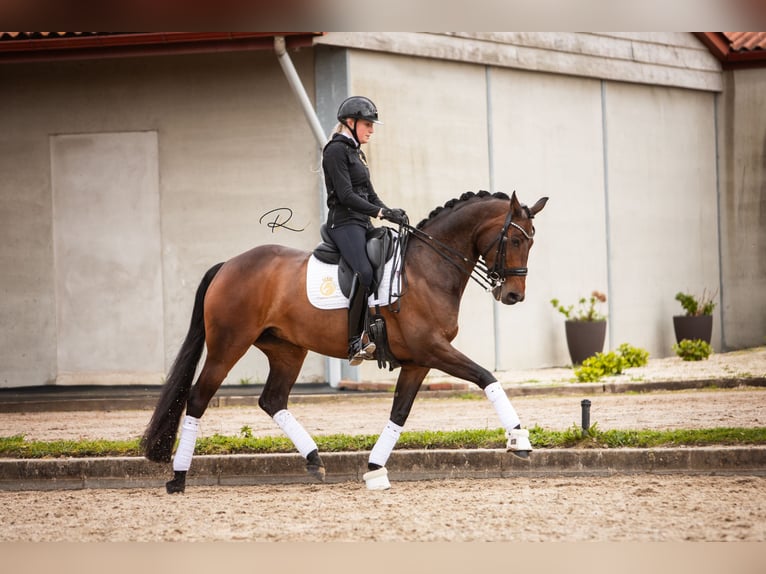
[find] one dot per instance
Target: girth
(380, 248)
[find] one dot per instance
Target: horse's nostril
(513, 297)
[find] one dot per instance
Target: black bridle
(488, 278)
(499, 272)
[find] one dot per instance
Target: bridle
(488, 278)
(499, 272)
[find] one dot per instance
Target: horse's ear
(515, 206)
(537, 207)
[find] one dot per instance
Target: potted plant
(697, 320)
(585, 326)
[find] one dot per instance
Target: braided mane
(463, 198)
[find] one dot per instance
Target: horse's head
(509, 245)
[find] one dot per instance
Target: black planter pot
(584, 339)
(693, 327)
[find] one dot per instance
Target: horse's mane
(463, 198)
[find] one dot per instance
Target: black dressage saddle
(380, 248)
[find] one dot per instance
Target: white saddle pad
(323, 287)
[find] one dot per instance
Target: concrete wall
(742, 152)
(231, 144)
(630, 170)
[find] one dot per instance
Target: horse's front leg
(407, 387)
(448, 359)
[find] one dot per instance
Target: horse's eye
(515, 242)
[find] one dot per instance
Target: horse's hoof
(178, 484)
(377, 479)
(175, 486)
(315, 466)
(518, 442)
(317, 471)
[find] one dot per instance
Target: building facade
(128, 169)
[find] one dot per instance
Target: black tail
(160, 436)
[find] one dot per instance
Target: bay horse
(258, 298)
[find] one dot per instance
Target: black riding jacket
(351, 199)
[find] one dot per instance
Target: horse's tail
(160, 435)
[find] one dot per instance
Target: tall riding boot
(358, 351)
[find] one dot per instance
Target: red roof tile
(736, 49)
(745, 41)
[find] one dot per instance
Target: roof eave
(144, 44)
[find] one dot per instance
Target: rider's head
(357, 108)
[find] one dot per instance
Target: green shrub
(598, 366)
(693, 349)
(601, 365)
(633, 356)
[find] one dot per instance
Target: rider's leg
(358, 350)
(352, 241)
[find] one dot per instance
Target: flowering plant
(694, 306)
(585, 309)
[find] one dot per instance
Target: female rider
(351, 202)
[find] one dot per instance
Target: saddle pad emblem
(328, 287)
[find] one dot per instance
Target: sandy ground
(619, 508)
(627, 508)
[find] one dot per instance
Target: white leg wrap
(185, 450)
(295, 432)
(496, 395)
(385, 444)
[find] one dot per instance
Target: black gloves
(397, 216)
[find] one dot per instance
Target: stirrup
(360, 352)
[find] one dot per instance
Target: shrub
(601, 365)
(633, 356)
(693, 349)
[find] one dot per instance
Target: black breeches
(352, 241)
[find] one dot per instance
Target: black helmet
(359, 108)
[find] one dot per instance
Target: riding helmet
(359, 108)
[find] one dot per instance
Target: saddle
(380, 248)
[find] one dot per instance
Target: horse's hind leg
(285, 361)
(212, 375)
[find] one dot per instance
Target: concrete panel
(107, 257)
(662, 209)
(742, 152)
(431, 148)
(27, 307)
(547, 141)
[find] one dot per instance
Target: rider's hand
(397, 216)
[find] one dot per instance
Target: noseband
(498, 273)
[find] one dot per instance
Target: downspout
(332, 369)
(496, 307)
(295, 83)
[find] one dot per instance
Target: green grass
(573, 437)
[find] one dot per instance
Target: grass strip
(17, 447)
